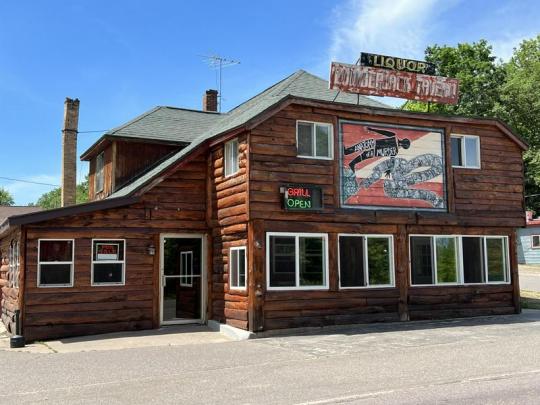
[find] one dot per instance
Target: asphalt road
(484, 360)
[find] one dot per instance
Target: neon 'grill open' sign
(302, 198)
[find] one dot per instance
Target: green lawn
(530, 299)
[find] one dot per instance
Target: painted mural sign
(391, 62)
(392, 166)
(394, 83)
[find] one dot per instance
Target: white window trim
(72, 265)
(239, 288)
(184, 275)
(460, 274)
(92, 262)
(17, 264)
(532, 242)
(464, 152)
(330, 139)
(297, 235)
(366, 261)
(236, 163)
(99, 173)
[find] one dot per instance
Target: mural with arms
(392, 166)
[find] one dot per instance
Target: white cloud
(503, 47)
(394, 27)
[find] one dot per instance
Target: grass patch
(530, 299)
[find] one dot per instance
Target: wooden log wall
(176, 205)
(227, 216)
(108, 170)
(486, 201)
(10, 295)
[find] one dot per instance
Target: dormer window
(314, 140)
(99, 174)
(465, 151)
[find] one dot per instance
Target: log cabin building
(300, 207)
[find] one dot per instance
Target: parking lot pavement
(480, 360)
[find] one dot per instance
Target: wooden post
(512, 240)
(157, 282)
(333, 262)
(256, 249)
(402, 272)
(22, 274)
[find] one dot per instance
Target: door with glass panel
(181, 280)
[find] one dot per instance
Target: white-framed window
(99, 175)
(314, 140)
(108, 262)
(465, 151)
(296, 261)
(231, 157)
(186, 269)
(365, 261)
(14, 263)
(535, 241)
(237, 268)
(458, 259)
(55, 262)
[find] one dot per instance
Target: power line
(90, 132)
(28, 181)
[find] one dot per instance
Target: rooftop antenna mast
(218, 63)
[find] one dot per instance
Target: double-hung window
(296, 261)
(439, 260)
(14, 263)
(99, 173)
(535, 241)
(231, 157)
(55, 262)
(108, 261)
(237, 268)
(314, 140)
(465, 151)
(365, 261)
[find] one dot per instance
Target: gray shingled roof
(300, 84)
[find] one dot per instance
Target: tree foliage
(5, 197)
(490, 88)
(52, 199)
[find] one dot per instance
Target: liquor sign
(107, 251)
(385, 82)
(302, 198)
(393, 63)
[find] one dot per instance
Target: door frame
(204, 286)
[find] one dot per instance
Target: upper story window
(314, 140)
(231, 157)
(465, 151)
(55, 262)
(99, 173)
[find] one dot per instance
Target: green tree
(52, 199)
(480, 78)
(5, 197)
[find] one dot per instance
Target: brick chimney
(69, 151)
(210, 100)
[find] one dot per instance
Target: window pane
(378, 261)
(473, 260)
(234, 156)
(446, 260)
(108, 272)
(55, 251)
(456, 151)
(282, 261)
(242, 268)
(233, 268)
(311, 261)
(496, 259)
(305, 140)
(351, 261)
(55, 274)
(535, 240)
(322, 135)
(471, 152)
(421, 260)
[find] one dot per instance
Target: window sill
(324, 288)
(493, 283)
(107, 284)
(369, 287)
(467, 167)
(56, 286)
(315, 157)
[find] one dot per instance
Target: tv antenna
(218, 63)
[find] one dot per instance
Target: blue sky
(121, 58)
